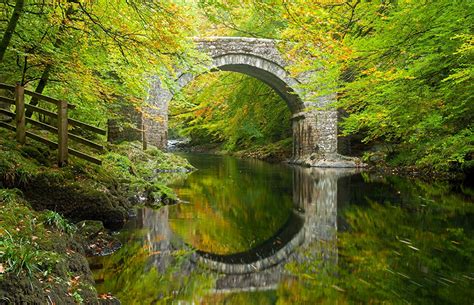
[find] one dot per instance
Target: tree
(96, 54)
(403, 71)
(231, 109)
(7, 36)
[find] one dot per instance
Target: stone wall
(259, 58)
(126, 128)
(219, 46)
(314, 132)
(156, 114)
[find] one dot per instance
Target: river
(249, 232)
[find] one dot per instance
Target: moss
(78, 201)
(161, 194)
(94, 238)
(43, 157)
(86, 191)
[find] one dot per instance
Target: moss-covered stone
(95, 238)
(78, 201)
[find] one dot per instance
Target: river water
(248, 232)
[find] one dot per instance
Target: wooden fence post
(20, 113)
(62, 133)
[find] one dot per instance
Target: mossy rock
(89, 228)
(78, 201)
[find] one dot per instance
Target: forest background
(403, 70)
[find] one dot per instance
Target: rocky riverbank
(42, 257)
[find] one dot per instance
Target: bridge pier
(314, 132)
(315, 141)
(155, 114)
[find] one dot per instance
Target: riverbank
(380, 164)
(377, 163)
(279, 151)
(42, 258)
(42, 253)
(43, 210)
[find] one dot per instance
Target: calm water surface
(247, 232)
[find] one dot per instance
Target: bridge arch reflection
(315, 199)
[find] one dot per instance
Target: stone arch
(260, 68)
(314, 131)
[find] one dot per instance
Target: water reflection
(159, 239)
(271, 233)
(403, 241)
(316, 191)
(233, 206)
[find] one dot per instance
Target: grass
(38, 258)
(20, 231)
(55, 220)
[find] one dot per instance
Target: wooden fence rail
(61, 130)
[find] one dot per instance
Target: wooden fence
(61, 117)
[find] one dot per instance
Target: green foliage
(140, 170)
(127, 171)
(9, 195)
(412, 92)
(404, 70)
(37, 259)
(132, 285)
(16, 167)
(55, 220)
(231, 109)
(232, 204)
(248, 18)
(77, 297)
(97, 54)
(16, 255)
(19, 231)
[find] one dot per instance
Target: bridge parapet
(264, 48)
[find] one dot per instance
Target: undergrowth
(38, 254)
(125, 168)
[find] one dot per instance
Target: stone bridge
(314, 127)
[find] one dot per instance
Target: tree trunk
(7, 36)
(39, 89)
